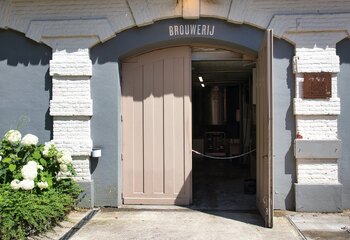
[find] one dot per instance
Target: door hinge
(121, 118)
(122, 157)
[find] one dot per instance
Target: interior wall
(25, 90)
(343, 50)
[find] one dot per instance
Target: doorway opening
(223, 128)
(157, 128)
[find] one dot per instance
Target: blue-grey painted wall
(106, 94)
(105, 124)
(343, 50)
(284, 124)
(25, 85)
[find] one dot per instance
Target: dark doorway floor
(222, 185)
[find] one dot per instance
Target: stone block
(318, 198)
(317, 148)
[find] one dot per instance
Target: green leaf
(36, 155)
(18, 175)
(6, 160)
(49, 182)
(43, 162)
(12, 167)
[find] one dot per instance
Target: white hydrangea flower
(32, 164)
(29, 140)
(15, 184)
(63, 168)
(66, 157)
(40, 167)
(47, 148)
(0, 158)
(30, 170)
(43, 185)
(27, 184)
(13, 136)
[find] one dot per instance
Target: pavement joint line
(80, 224)
(296, 228)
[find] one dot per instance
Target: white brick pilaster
(316, 119)
(71, 105)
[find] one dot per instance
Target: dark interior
(223, 115)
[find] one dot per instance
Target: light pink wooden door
(264, 194)
(157, 127)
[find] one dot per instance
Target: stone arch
(137, 40)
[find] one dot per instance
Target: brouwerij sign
(191, 30)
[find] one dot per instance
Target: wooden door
(157, 127)
(264, 195)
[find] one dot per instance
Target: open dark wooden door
(264, 194)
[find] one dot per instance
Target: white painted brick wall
(316, 61)
(316, 107)
(317, 127)
(76, 63)
(317, 171)
(73, 134)
(76, 147)
(316, 52)
(78, 128)
(71, 104)
(72, 88)
(71, 96)
(82, 168)
(71, 107)
(316, 119)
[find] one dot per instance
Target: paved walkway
(181, 224)
(165, 223)
(335, 226)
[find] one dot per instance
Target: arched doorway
(157, 128)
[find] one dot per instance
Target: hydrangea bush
(36, 190)
(27, 165)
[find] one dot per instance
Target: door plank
(138, 162)
(148, 127)
(158, 166)
(179, 165)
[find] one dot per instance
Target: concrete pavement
(182, 223)
(149, 222)
(322, 226)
